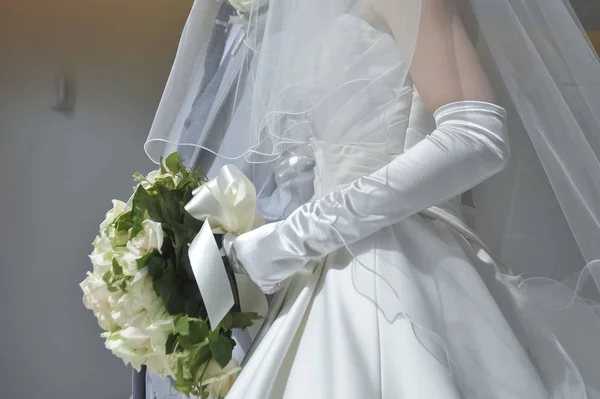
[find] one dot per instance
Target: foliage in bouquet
(143, 291)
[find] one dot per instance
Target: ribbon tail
(211, 276)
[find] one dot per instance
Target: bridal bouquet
(154, 266)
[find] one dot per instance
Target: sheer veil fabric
(540, 217)
(537, 56)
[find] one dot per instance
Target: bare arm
(445, 66)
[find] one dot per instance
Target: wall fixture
(64, 94)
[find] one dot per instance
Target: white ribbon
(211, 277)
(226, 203)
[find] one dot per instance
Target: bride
(382, 285)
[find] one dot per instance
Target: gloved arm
(468, 146)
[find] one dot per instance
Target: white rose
(129, 264)
(109, 236)
(217, 380)
(158, 333)
(104, 252)
(128, 344)
(118, 208)
(101, 261)
(99, 300)
(247, 6)
(142, 341)
(102, 244)
(155, 175)
(160, 364)
(139, 301)
(151, 237)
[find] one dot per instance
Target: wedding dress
(419, 308)
(462, 330)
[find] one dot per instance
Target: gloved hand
(468, 146)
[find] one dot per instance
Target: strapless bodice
(397, 126)
(363, 109)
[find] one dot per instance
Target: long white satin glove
(469, 145)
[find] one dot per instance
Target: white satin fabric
(465, 331)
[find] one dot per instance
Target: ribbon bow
(226, 204)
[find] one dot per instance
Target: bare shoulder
(366, 11)
(390, 10)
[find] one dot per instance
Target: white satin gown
(414, 311)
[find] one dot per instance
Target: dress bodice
(363, 109)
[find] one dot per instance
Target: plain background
(59, 172)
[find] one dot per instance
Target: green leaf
(138, 211)
(199, 172)
(200, 355)
(156, 264)
(106, 277)
(168, 206)
(176, 303)
(221, 348)
(117, 269)
(195, 308)
(181, 325)
(143, 261)
(171, 343)
(198, 330)
(185, 386)
(191, 226)
(164, 284)
(227, 322)
(111, 288)
(174, 164)
(167, 251)
(239, 320)
(186, 342)
(179, 374)
(155, 206)
(162, 167)
(191, 179)
(185, 264)
(138, 177)
(191, 182)
(124, 222)
(191, 222)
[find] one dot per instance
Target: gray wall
(60, 172)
